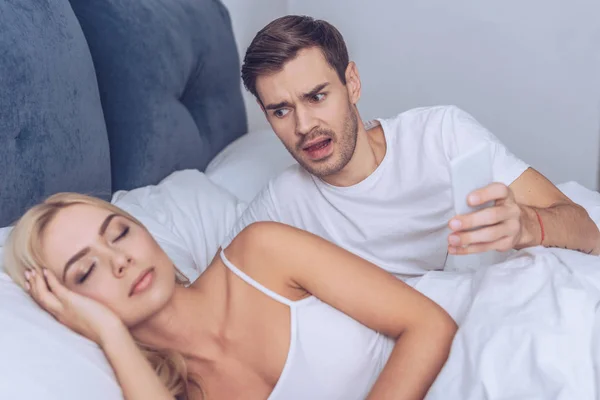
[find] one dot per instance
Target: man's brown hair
(282, 39)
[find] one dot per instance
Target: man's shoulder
(291, 180)
(425, 123)
(287, 187)
(427, 114)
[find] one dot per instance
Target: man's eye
(282, 112)
(318, 97)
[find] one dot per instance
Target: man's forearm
(564, 225)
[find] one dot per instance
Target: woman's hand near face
(83, 315)
(98, 323)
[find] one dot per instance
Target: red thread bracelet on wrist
(541, 227)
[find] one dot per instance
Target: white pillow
(41, 359)
(188, 215)
(248, 163)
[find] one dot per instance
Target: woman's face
(110, 259)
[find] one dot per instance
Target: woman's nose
(121, 262)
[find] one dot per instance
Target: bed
(140, 103)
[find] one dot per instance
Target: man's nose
(305, 121)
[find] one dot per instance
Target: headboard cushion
(169, 80)
(52, 132)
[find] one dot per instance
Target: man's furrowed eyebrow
(277, 106)
(286, 104)
(315, 90)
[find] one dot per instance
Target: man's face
(312, 112)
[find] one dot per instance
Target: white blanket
(528, 328)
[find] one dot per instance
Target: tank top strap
(252, 282)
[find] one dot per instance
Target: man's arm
(529, 212)
(565, 224)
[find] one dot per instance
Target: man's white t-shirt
(396, 218)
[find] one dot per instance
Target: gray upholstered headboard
(102, 95)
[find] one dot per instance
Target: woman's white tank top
(331, 356)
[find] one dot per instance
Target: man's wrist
(531, 233)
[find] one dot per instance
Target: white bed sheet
(528, 328)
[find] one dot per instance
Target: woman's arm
(423, 330)
(93, 320)
(137, 378)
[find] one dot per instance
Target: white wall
(529, 71)
(248, 17)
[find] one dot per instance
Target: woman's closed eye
(81, 277)
(85, 275)
(123, 233)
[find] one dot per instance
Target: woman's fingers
(55, 286)
(41, 293)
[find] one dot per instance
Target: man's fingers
(509, 228)
(492, 192)
(503, 244)
(486, 217)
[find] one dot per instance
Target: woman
(278, 314)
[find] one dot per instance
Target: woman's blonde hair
(22, 251)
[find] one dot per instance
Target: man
(383, 190)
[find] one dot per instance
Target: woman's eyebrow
(86, 250)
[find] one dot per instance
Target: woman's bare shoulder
(257, 251)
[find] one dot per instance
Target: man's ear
(353, 82)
